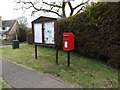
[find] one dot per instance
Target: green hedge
(97, 31)
(22, 33)
(30, 38)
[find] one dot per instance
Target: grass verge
(0, 84)
(3, 85)
(4, 42)
(83, 73)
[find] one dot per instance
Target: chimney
(0, 21)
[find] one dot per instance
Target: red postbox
(68, 41)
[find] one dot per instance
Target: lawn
(3, 85)
(4, 42)
(83, 72)
(0, 84)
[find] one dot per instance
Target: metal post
(35, 51)
(56, 55)
(68, 58)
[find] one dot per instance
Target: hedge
(30, 38)
(22, 33)
(96, 30)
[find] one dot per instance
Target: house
(8, 29)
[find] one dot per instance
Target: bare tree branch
(55, 7)
(63, 9)
(52, 4)
(31, 5)
(39, 9)
(46, 10)
(81, 4)
(71, 8)
(80, 9)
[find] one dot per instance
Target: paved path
(20, 77)
(11, 45)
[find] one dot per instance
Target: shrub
(96, 30)
(22, 35)
(30, 38)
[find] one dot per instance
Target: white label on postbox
(66, 44)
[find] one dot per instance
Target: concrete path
(20, 77)
(11, 45)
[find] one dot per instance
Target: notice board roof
(44, 19)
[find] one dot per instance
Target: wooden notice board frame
(38, 29)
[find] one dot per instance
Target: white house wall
(3, 31)
(0, 33)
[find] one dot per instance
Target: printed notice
(38, 33)
(49, 33)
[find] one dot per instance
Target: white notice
(38, 33)
(66, 44)
(49, 33)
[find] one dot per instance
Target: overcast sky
(7, 11)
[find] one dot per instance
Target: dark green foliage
(97, 31)
(30, 38)
(22, 35)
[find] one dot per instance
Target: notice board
(44, 31)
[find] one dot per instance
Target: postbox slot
(65, 35)
(66, 38)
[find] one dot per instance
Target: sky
(6, 10)
(8, 13)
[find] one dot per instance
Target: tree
(22, 32)
(57, 7)
(22, 20)
(22, 29)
